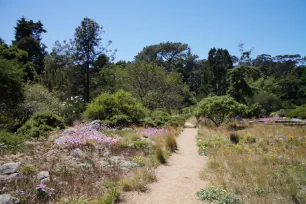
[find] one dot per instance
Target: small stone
(106, 154)
(42, 175)
(10, 168)
(8, 178)
(78, 153)
(6, 199)
(45, 181)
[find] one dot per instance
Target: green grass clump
(11, 142)
(171, 144)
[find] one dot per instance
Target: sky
(266, 26)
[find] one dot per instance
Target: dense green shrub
(298, 112)
(160, 118)
(6, 122)
(41, 124)
(38, 98)
(176, 121)
(119, 108)
(255, 110)
(219, 108)
(10, 141)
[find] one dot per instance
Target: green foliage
(238, 85)
(255, 110)
(298, 112)
(157, 118)
(11, 87)
(269, 102)
(218, 108)
(217, 194)
(119, 108)
(38, 98)
(41, 124)
(11, 142)
(176, 121)
(73, 109)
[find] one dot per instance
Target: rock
(78, 153)
(189, 125)
(8, 178)
(96, 124)
(115, 160)
(10, 168)
(281, 138)
(104, 164)
(6, 199)
(128, 164)
(68, 132)
(43, 177)
(106, 154)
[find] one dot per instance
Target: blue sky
(268, 26)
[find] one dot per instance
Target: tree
(164, 54)
(218, 109)
(2, 42)
(220, 62)
(239, 88)
(88, 48)
(28, 38)
(11, 86)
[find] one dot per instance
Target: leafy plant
(218, 194)
(41, 124)
(218, 109)
(119, 108)
(10, 141)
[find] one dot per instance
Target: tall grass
(261, 163)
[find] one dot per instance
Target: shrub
(176, 121)
(217, 194)
(255, 110)
(38, 98)
(10, 141)
(171, 143)
(157, 118)
(73, 108)
(41, 124)
(115, 109)
(160, 155)
(218, 108)
(234, 138)
(6, 122)
(298, 112)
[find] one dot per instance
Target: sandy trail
(179, 180)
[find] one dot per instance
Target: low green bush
(218, 194)
(116, 109)
(298, 112)
(176, 121)
(41, 124)
(171, 143)
(10, 141)
(255, 110)
(157, 118)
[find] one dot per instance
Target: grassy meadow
(256, 163)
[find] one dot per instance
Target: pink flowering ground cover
(150, 132)
(83, 133)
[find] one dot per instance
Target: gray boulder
(10, 168)
(6, 199)
(8, 178)
(96, 124)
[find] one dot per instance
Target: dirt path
(179, 180)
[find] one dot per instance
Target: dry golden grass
(266, 166)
